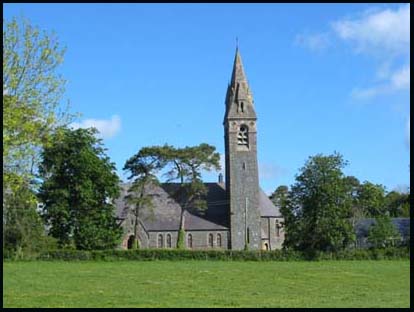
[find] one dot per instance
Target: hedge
(227, 255)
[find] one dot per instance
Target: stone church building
(238, 211)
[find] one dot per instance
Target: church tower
(242, 178)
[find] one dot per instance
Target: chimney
(220, 178)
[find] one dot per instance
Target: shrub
(226, 255)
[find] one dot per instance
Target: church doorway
(265, 246)
(130, 243)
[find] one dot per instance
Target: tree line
(323, 206)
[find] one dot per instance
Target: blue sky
(324, 77)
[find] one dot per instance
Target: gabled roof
(362, 226)
(165, 216)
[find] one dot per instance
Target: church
(239, 215)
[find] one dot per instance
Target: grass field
(207, 284)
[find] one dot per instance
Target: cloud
(377, 31)
(107, 128)
(385, 34)
(401, 78)
(223, 163)
(314, 42)
(391, 82)
(270, 171)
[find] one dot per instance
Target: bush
(226, 255)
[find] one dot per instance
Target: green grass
(206, 284)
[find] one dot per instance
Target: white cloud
(377, 31)
(401, 78)
(223, 163)
(385, 34)
(314, 42)
(270, 171)
(107, 128)
(392, 81)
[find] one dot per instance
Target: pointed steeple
(238, 70)
(239, 99)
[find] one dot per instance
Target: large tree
(185, 166)
(79, 185)
(371, 199)
(143, 168)
(280, 195)
(398, 204)
(319, 206)
(32, 90)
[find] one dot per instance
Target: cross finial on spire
(237, 43)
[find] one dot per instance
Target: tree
(143, 168)
(279, 196)
(319, 206)
(79, 185)
(184, 165)
(371, 199)
(383, 233)
(397, 204)
(32, 89)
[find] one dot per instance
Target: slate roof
(166, 212)
(402, 224)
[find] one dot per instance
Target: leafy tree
(280, 195)
(186, 165)
(143, 168)
(371, 199)
(32, 89)
(383, 233)
(79, 184)
(318, 207)
(398, 204)
(23, 230)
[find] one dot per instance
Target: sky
(324, 78)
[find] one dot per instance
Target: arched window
(242, 107)
(130, 243)
(248, 235)
(168, 240)
(160, 241)
(210, 240)
(243, 136)
(190, 241)
(218, 240)
(277, 228)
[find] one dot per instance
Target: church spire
(239, 99)
(238, 75)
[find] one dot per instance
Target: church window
(248, 235)
(244, 166)
(210, 240)
(242, 107)
(190, 241)
(219, 240)
(168, 240)
(160, 241)
(242, 137)
(277, 228)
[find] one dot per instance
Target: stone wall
(270, 236)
